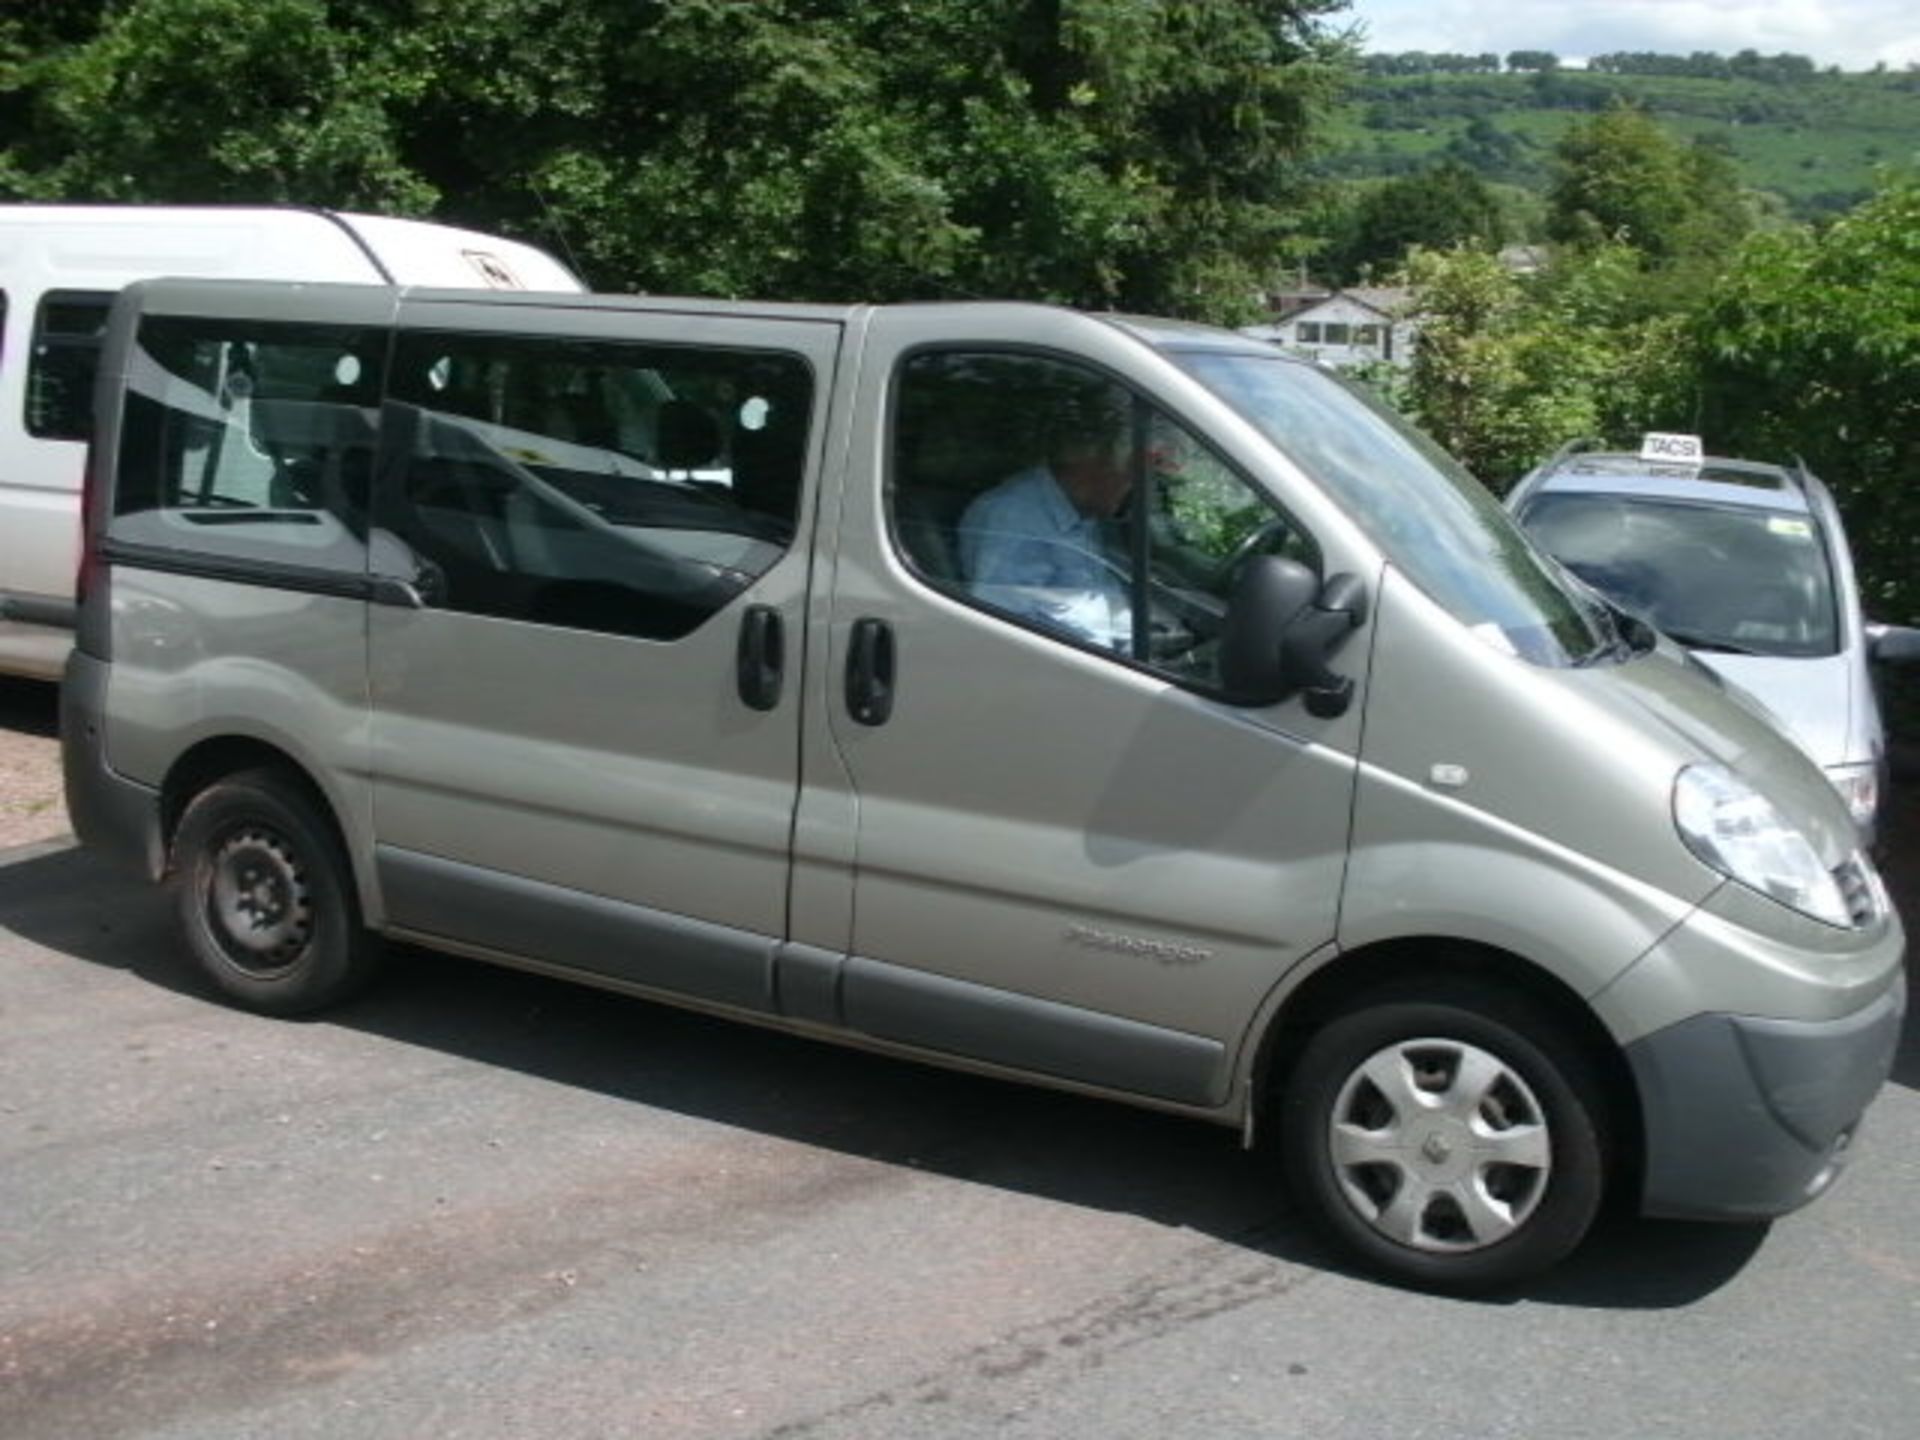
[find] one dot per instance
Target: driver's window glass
(250, 440)
(1033, 487)
(623, 488)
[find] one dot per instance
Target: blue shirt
(1025, 548)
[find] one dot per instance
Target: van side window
(623, 488)
(250, 440)
(1051, 494)
(65, 356)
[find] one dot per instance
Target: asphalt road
(482, 1204)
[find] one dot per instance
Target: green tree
(1532, 60)
(1623, 178)
(1100, 151)
(1810, 345)
(215, 100)
(1508, 368)
(1438, 208)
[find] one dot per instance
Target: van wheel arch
(210, 761)
(1395, 965)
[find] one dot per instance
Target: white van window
(1053, 495)
(623, 488)
(242, 439)
(65, 356)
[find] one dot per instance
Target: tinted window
(1052, 495)
(250, 440)
(622, 488)
(66, 354)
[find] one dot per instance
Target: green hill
(1815, 141)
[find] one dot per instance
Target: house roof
(1284, 304)
(1386, 301)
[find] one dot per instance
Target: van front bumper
(1747, 1118)
(118, 817)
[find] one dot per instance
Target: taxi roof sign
(1672, 449)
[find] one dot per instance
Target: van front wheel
(1451, 1138)
(265, 897)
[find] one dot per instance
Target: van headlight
(1736, 830)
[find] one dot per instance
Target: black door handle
(761, 661)
(870, 672)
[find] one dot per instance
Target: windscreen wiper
(1712, 644)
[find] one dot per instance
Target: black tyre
(265, 897)
(1452, 1136)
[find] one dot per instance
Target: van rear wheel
(1451, 1136)
(265, 897)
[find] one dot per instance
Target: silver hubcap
(1440, 1145)
(258, 900)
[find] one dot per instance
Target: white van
(60, 267)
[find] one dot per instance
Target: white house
(1367, 323)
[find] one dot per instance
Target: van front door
(586, 636)
(1074, 856)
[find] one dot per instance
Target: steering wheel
(1249, 546)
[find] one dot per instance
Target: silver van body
(60, 266)
(591, 704)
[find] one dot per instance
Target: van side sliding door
(589, 594)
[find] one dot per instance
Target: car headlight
(1736, 830)
(1859, 786)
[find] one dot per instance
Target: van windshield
(1432, 519)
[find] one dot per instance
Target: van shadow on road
(30, 707)
(1062, 1147)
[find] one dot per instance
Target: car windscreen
(1431, 518)
(1730, 578)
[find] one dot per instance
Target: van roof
(91, 247)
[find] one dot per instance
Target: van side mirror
(1893, 644)
(1283, 627)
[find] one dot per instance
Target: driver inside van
(1044, 544)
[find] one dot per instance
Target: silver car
(1746, 565)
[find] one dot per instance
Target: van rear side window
(621, 488)
(250, 440)
(66, 354)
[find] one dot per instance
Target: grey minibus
(1110, 703)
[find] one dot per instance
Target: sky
(1853, 34)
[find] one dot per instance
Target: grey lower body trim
(807, 981)
(1748, 1118)
(118, 817)
(507, 915)
(38, 610)
(956, 1017)
(433, 897)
